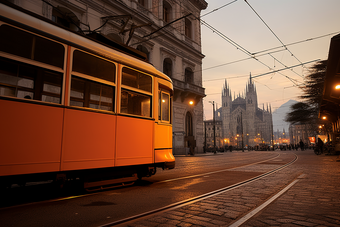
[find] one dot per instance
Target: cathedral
(241, 117)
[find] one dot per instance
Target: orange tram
(75, 108)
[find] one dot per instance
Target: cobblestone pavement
(314, 200)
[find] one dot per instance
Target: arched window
(167, 67)
(143, 49)
(66, 18)
(166, 12)
(189, 75)
(188, 28)
(188, 124)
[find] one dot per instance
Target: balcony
(185, 90)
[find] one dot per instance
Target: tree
(306, 112)
(301, 113)
(314, 83)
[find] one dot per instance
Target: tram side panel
(134, 141)
(30, 138)
(88, 140)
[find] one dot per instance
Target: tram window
(135, 79)
(135, 104)
(51, 87)
(87, 93)
(24, 44)
(165, 107)
(29, 82)
(93, 66)
(49, 52)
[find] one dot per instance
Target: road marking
(258, 209)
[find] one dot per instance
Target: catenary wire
(273, 32)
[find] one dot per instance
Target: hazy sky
(290, 20)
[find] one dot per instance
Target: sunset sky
(304, 27)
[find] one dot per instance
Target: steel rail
(163, 181)
(198, 198)
(217, 171)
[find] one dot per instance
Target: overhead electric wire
(298, 42)
(273, 32)
(284, 65)
(214, 10)
(230, 40)
(233, 77)
(284, 68)
(236, 45)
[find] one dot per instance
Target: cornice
(201, 4)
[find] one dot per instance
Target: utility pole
(213, 103)
(214, 127)
(272, 134)
(205, 136)
(242, 132)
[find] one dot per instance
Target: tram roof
(32, 20)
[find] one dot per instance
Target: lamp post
(213, 103)
(242, 132)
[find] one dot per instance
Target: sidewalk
(314, 200)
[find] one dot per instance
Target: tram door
(163, 127)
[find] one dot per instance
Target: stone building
(167, 31)
(242, 116)
(209, 133)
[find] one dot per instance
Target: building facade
(167, 31)
(241, 116)
(209, 134)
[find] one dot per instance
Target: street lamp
(242, 132)
(213, 103)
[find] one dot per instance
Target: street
(312, 200)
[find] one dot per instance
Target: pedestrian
(302, 146)
(320, 144)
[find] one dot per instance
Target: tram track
(86, 194)
(203, 196)
(154, 196)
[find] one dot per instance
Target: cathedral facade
(243, 122)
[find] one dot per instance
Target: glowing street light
(191, 102)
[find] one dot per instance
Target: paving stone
(177, 213)
(304, 223)
(172, 217)
(184, 224)
(219, 223)
(158, 219)
(201, 223)
(312, 201)
(173, 222)
(216, 212)
(285, 220)
(201, 218)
